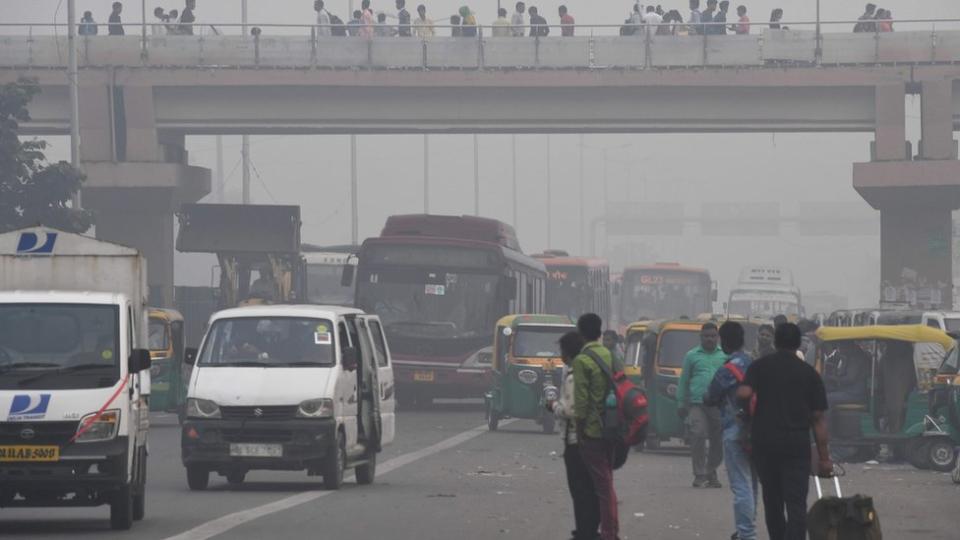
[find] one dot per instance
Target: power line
(262, 183)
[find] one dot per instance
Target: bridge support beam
(137, 178)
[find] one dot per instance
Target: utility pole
(514, 153)
(581, 195)
(426, 173)
(245, 139)
(220, 177)
(73, 79)
(549, 199)
(354, 193)
(476, 175)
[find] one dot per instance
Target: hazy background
(313, 171)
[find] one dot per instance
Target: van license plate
(256, 450)
(423, 376)
(29, 453)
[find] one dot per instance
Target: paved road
(448, 478)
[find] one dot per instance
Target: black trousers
(586, 509)
(786, 481)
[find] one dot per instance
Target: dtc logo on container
(29, 407)
(30, 243)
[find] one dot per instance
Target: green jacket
(590, 388)
(699, 367)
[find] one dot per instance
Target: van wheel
(940, 454)
(236, 478)
(493, 420)
(368, 471)
(335, 464)
(121, 509)
(140, 498)
(198, 478)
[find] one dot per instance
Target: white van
(289, 388)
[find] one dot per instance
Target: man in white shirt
(652, 17)
(323, 19)
(518, 22)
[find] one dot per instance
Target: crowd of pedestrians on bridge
(713, 19)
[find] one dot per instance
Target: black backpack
(337, 27)
(843, 518)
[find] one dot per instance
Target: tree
(33, 191)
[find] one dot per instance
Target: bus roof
(673, 267)
(586, 262)
(452, 227)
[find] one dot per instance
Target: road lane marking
(228, 522)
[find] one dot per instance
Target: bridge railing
(302, 46)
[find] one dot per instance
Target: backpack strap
(603, 366)
(737, 372)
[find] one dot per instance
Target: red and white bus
(664, 291)
(439, 284)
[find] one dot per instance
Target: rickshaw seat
(850, 407)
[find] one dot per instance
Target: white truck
(74, 374)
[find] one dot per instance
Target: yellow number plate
(29, 453)
(423, 376)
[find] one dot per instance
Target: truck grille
(58, 433)
(256, 436)
(261, 412)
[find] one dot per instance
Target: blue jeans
(743, 484)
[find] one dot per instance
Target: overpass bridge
(141, 96)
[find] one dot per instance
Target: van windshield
(269, 342)
(59, 346)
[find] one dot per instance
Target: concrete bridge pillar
(137, 177)
(915, 196)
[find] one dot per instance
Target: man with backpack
(591, 388)
(736, 429)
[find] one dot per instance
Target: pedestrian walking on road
(590, 392)
(586, 511)
(764, 341)
(790, 401)
(567, 22)
(115, 23)
(518, 22)
(702, 422)
(735, 420)
(88, 26)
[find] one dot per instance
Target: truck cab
(74, 374)
(289, 387)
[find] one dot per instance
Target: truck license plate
(29, 453)
(423, 376)
(256, 450)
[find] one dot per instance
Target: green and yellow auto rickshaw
(945, 413)
(168, 372)
(638, 351)
(527, 368)
(879, 381)
(674, 339)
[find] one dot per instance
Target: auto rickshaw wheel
(918, 453)
(940, 454)
(493, 419)
(549, 424)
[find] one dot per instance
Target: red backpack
(625, 415)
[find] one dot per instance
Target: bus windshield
(674, 346)
(538, 342)
(430, 304)
(324, 285)
(59, 346)
(568, 292)
(647, 295)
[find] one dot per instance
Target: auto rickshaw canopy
(912, 333)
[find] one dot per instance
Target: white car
(286, 387)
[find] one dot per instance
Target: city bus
(576, 285)
(765, 292)
(664, 291)
(439, 284)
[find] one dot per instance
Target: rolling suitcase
(842, 518)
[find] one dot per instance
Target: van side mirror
(139, 361)
(349, 358)
(190, 356)
(346, 278)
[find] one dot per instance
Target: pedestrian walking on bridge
(702, 421)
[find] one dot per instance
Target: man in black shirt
(791, 400)
(403, 16)
(114, 24)
(187, 18)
